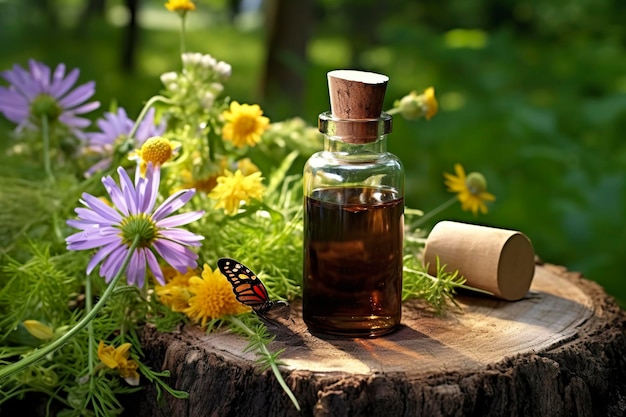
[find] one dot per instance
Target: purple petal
(154, 266)
(61, 86)
(79, 95)
(150, 190)
(128, 190)
(86, 108)
(176, 255)
(79, 241)
(182, 236)
(101, 208)
(136, 273)
(116, 194)
(112, 265)
(79, 224)
(77, 122)
(101, 165)
(102, 253)
(89, 215)
(41, 73)
(173, 203)
(180, 219)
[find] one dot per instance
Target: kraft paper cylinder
(496, 260)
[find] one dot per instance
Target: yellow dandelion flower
(118, 358)
(212, 298)
(157, 150)
(180, 5)
(175, 293)
(234, 189)
(471, 189)
(244, 124)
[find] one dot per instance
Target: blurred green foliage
(532, 94)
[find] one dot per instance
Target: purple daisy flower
(114, 129)
(113, 229)
(38, 92)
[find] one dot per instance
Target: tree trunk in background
(96, 9)
(362, 19)
(289, 24)
(129, 48)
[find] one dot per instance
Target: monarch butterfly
(249, 289)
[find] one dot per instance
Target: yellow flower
(38, 329)
(233, 189)
(244, 124)
(157, 150)
(471, 189)
(180, 5)
(413, 106)
(175, 293)
(212, 298)
(430, 103)
(118, 358)
(247, 167)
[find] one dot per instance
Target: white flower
(208, 61)
(208, 100)
(223, 69)
(169, 77)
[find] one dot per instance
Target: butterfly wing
(247, 287)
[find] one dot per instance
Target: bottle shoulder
(325, 158)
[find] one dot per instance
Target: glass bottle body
(353, 237)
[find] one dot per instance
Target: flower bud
(169, 77)
(413, 106)
(476, 183)
(223, 69)
(208, 61)
(38, 329)
(207, 100)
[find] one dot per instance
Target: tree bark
(131, 40)
(560, 351)
(289, 25)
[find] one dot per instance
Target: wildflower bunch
(194, 90)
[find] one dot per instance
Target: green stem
(434, 212)
(145, 109)
(92, 342)
(182, 33)
(45, 132)
(453, 284)
(273, 364)
(15, 367)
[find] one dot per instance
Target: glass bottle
(353, 228)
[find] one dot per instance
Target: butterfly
(249, 289)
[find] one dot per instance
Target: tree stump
(560, 351)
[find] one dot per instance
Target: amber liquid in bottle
(353, 261)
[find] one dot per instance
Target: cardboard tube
(496, 260)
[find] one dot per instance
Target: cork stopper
(356, 94)
(356, 105)
(496, 260)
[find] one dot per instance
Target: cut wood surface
(560, 351)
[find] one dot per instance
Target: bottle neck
(355, 136)
(338, 145)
